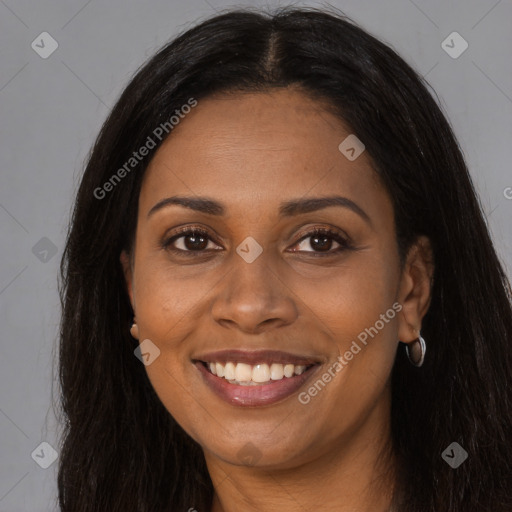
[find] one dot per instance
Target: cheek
(351, 297)
(164, 309)
(362, 327)
(168, 296)
(357, 308)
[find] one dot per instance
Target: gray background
(51, 110)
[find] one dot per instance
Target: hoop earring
(416, 355)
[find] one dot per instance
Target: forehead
(259, 148)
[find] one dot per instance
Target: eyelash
(183, 232)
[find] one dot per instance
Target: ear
(415, 289)
(126, 264)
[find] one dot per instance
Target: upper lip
(257, 356)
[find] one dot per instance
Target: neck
(357, 474)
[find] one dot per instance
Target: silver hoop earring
(417, 353)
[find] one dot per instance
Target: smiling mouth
(255, 378)
(243, 374)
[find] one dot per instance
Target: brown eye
(189, 240)
(195, 241)
(321, 241)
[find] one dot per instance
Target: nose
(253, 298)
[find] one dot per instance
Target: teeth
(289, 370)
(250, 375)
(261, 373)
(299, 369)
(276, 371)
(243, 372)
(220, 370)
(229, 371)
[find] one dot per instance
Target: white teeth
(289, 370)
(220, 370)
(246, 374)
(299, 369)
(229, 371)
(276, 371)
(261, 373)
(243, 372)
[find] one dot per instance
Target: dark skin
(251, 152)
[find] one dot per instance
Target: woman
(279, 289)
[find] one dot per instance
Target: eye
(194, 241)
(321, 241)
(189, 240)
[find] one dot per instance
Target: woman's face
(261, 296)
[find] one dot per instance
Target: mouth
(255, 378)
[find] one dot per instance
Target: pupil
(198, 241)
(326, 242)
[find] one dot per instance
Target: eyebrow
(286, 209)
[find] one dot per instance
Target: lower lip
(254, 396)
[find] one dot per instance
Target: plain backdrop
(52, 108)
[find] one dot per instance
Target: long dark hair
(121, 449)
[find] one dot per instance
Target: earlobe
(134, 330)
